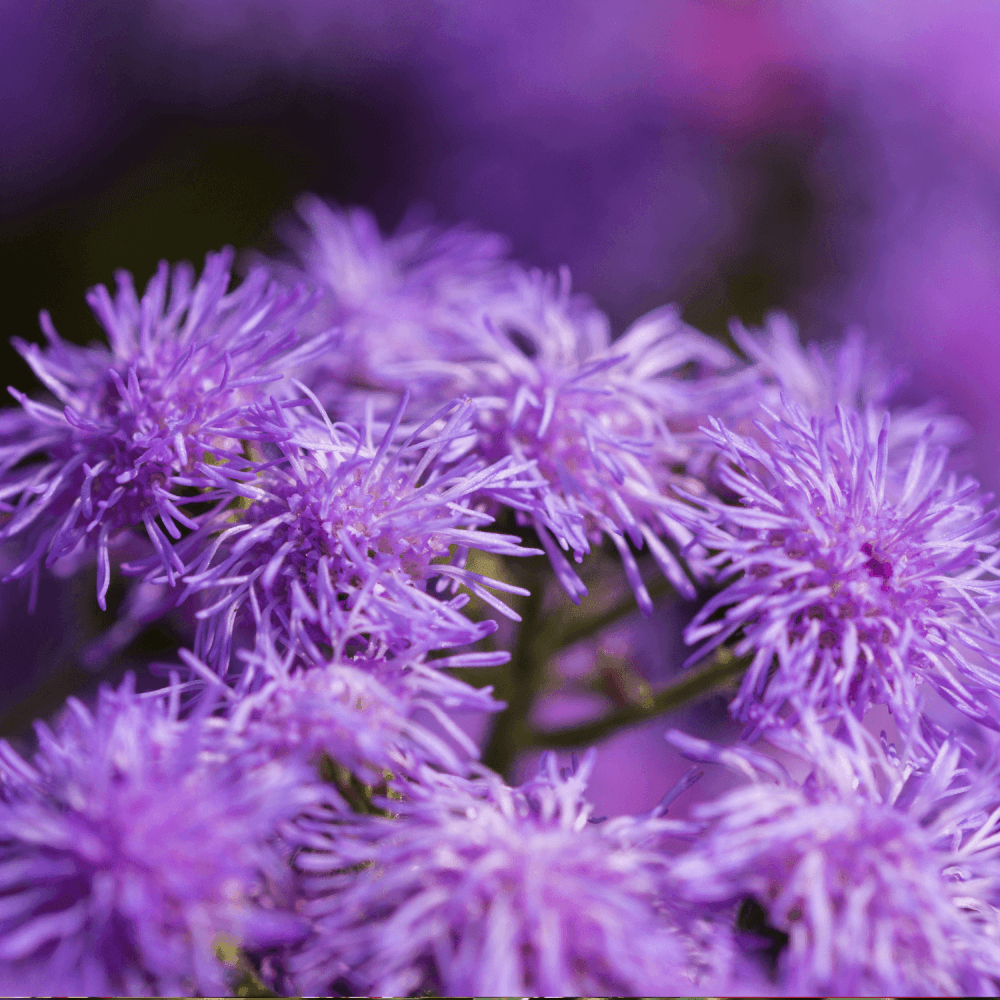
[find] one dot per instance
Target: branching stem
(694, 684)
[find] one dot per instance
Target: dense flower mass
(607, 426)
(128, 854)
(140, 424)
(320, 471)
(360, 712)
(880, 872)
(855, 579)
(344, 535)
(480, 889)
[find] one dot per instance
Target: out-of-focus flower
(151, 425)
(855, 582)
(128, 853)
(343, 537)
(853, 374)
(357, 711)
(404, 304)
(476, 888)
(878, 874)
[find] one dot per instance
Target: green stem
(522, 681)
(720, 670)
(584, 627)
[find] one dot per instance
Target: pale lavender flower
(853, 374)
(882, 872)
(480, 889)
(855, 581)
(139, 423)
(344, 537)
(359, 711)
(403, 303)
(128, 854)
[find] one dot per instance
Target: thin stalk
(524, 677)
(695, 684)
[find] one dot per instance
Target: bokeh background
(836, 159)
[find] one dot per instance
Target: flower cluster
(856, 579)
(607, 426)
(475, 888)
(336, 472)
(880, 871)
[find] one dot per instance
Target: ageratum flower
(879, 874)
(402, 302)
(855, 580)
(344, 538)
(128, 854)
(853, 375)
(360, 712)
(140, 422)
(480, 889)
(609, 427)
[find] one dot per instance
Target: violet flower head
(879, 874)
(127, 855)
(400, 301)
(852, 374)
(360, 712)
(141, 422)
(339, 547)
(856, 579)
(610, 427)
(480, 889)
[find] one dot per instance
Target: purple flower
(853, 375)
(879, 873)
(856, 579)
(609, 427)
(140, 423)
(402, 302)
(128, 853)
(358, 711)
(344, 536)
(480, 889)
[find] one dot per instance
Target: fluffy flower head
(606, 426)
(883, 873)
(402, 302)
(126, 855)
(477, 888)
(359, 711)
(852, 374)
(856, 579)
(142, 421)
(344, 535)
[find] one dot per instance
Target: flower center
(876, 565)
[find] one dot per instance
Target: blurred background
(835, 159)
